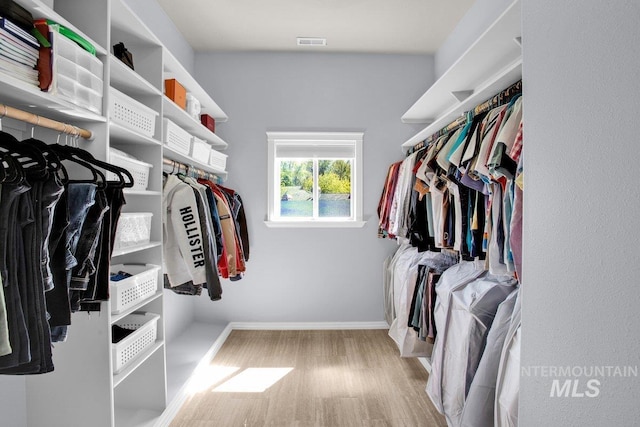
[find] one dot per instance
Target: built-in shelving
(137, 395)
(136, 307)
(30, 98)
(121, 134)
(490, 64)
(130, 192)
(185, 121)
(135, 363)
(173, 69)
(40, 10)
(133, 249)
(128, 81)
(170, 153)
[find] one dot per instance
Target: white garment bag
(405, 277)
(471, 313)
(508, 382)
(455, 277)
(479, 404)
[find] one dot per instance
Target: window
(315, 179)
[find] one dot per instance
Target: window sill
(315, 224)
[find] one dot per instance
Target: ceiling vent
(311, 41)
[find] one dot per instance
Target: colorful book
(13, 29)
(19, 44)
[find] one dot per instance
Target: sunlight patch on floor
(253, 380)
(209, 376)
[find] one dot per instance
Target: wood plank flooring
(339, 379)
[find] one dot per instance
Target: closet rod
(187, 169)
(44, 122)
(504, 97)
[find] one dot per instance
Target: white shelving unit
(172, 154)
(84, 389)
(490, 64)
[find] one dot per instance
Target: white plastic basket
(200, 150)
(146, 332)
(177, 138)
(128, 292)
(218, 160)
(133, 229)
(138, 169)
(132, 114)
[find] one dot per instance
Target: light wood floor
(339, 378)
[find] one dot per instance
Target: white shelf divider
(116, 317)
(497, 46)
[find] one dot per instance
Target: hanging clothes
(50, 231)
(205, 235)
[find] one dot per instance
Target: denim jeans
(80, 198)
(86, 252)
(98, 287)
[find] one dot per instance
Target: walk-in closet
(335, 213)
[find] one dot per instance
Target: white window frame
(273, 181)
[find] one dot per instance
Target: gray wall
(309, 275)
(581, 269)
(163, 27)
(475, 22)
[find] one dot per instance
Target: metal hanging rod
(44, 122)
(173, 166)
(504, 97)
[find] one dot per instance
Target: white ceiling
(380, 26)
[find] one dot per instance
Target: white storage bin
(145, 326)
(91, 64)
(88, 99)
(88, 80)
(65, 67)
(138, 169)
(63, 47)
(132, 114)
(177, 138)
(128, 292)
(66, 87)
(133, 229)
(200, 150)
(217, 160)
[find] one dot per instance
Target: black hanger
(63, 153)
(30, 158)
(125, 179)
(11, 169)
(54, 164)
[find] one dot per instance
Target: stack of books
(19, 52)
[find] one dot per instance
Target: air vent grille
(311, 41)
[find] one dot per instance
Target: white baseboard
(295, 326)
(182, 395)
(426, 362)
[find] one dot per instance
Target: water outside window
(329, 179)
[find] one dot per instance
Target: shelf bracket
(518, 40)
(461, 95)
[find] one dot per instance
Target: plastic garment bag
(479, 404)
